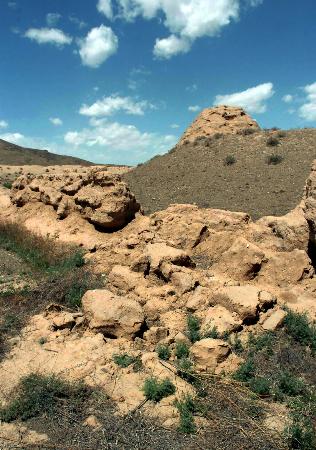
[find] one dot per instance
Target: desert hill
(261, 172)
(14, 155)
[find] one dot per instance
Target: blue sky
(118, 81)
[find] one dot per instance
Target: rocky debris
(243, 300)
(115, 317)
(99, 197)
(220, 318)
(220, 119)
(275, 320)
(208, 353)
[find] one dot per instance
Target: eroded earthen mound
(97, 195)
(221, 119)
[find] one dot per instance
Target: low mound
(14, 155)
(262, 173)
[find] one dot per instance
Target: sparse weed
(300, 329)
(163, 352)
(274, 159)
(230, 160)
(156, 390)
(182, 350)
(7, 184)
(272, 141)
(260, 385)
(123, 360)
(212, 333)
(246, 371)
(39, 394)
(194, 326)
(186, 408)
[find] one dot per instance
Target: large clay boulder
(117, 317)
(100, 197)
(246, 301)
(221, 119)
(208, 353)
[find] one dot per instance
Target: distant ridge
(15, 155)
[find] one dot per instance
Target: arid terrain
(167, 306)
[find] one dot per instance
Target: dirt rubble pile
(234, 275)
(220, 119)
(99, 197)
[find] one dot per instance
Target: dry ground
(197, 173)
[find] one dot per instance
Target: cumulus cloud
(116, 137)
(194, 108)
(3, 124)
(52, 19)
(108, 106)
(186, 20)
(287, 98)
(105, 7)
(99, 44)
(48, 36)
(308, 110)
(252, 100)
(170, 46)
(14, 138)
(56, 121)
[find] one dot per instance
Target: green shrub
(182, 350)
(302, 435)
(274, 159)
(7, 184)
(264, 341)
(163, 351)
(246, 371)
(123, 360)
(193, 332)
(39, 394)
(236, 344)
(211, 333)
(186, 409)
(290, 385)
(156, 390)
(185, 370)
(230, 160)
(300, 329)
(260, 385)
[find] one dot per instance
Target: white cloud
(14, 138)
(56, 121)
(194, 108)
(308, 110)
(99, 44)
(255, 2)
(113, 104)
(79, 23)
(105, 7)
(170, 46)
(3, 124)
(116, 137)
(174, 126)
(192, 88)
(186, 20)
(287, 98)
(48, 36)
(252, 100)
(52, 19)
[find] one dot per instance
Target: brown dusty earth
(197, 173)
